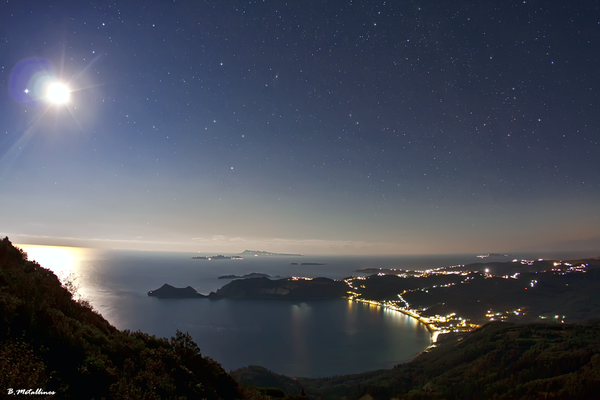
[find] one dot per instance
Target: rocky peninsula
(167, 291)
(294, 288)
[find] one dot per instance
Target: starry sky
(325, 127)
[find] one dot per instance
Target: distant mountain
(266, 253)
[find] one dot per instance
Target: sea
(294, 338)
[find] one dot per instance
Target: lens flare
(34, 83)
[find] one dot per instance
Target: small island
(217, 257)
(260, 253)
(493, 255)
(167, 291)
(308, 263)
(250, 275)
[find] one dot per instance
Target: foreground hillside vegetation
(57, 347)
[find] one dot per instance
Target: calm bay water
(311, 339)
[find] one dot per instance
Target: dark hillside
(255, 375)
(50, 342)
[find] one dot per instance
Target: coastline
(433, 330)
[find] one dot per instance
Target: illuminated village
(454, 322)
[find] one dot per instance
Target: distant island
(493, 255)
(167, 291)
(217, 257)
(250, 275)
(308, 263)
(260, 253)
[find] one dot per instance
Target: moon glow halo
(34, 83)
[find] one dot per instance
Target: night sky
(356, 127)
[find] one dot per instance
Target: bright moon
(58, 93)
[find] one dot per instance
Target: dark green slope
(51, 342)
(255, 375)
